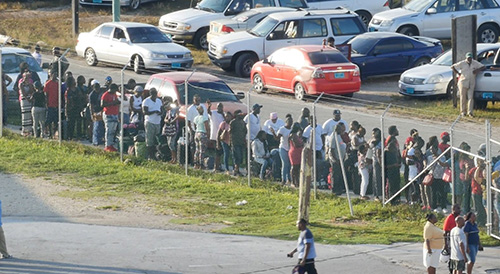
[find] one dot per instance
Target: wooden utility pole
(306, 170)
(75, 7)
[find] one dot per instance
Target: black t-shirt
(39, 99)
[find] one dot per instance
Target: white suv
(192, 25)
(238, 51)
(432, 18)
(365, 9)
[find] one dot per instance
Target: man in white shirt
(192, 112)
(319, 141)
(458, 246)
(305, 248)
(271, 127)
(333, 155)
(152, 118)
(253, 121)
(216, 118)
(329, 125)
(36, 54)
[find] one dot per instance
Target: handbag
(444, 257)
(428, 179)
(447, 175)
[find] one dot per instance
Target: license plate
(168, 35)
(339, 75)
(97, 1)
(410, 90)
(176, 65)
(488, 95)
(371, 29)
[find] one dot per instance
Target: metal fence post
(313, 136)
(452, 129)
(187, 128)
(121, 111)
(382, 147)
(1, 90)
(488, 178)
(248, 142)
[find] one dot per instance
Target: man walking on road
(458, 243)
(305, 248)
(467, 70)
(3, 246)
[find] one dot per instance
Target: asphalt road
(365, 107)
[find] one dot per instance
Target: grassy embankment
(206, 198)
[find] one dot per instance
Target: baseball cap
(273, 115)
(444, 134)
(256, 106)
(468, 54)
(138, 89)
(93, 82)
(108, 78)
(337, 112)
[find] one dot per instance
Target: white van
(364, 8)
(238, 51)
(192, 25)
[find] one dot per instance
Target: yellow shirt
(434, 235)
(467, 76)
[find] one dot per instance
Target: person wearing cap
(136, 115)
(443, 145)
(36, 54)
(39, 101)
(152, 107)
(467, 70)
(329, 125)
(253, 121)
(54, 64)
(96, 112)
(111, 106)
(271, 127)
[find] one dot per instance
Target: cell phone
(289, 255)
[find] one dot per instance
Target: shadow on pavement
(44, 267)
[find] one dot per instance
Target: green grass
(205, 198)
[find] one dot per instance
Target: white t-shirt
(457, 236)
(306, 237)
(192, 112)
(156, 105)
(126, 104)
(412, 169)
(215, 120)
(276, 126)
(285, 132)
(253, 124)
(137, 102)
(330, 124)
(308, 132)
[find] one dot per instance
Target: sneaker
(429, 208)
(424, 207)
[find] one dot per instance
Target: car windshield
(326, 57)
(362, 44)
(244, 16)
(10, 62)
(417, 5)
(147, 35)
(213, 5)
(215, 91)
(444, 60)
(264, 27)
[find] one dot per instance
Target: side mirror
(431, 11)
(240, 95)
(123, 40)
(45, 65)
(271, 36)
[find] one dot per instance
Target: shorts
(472, 253)
(431, 260)
(52, 116)
(152, 132)
(457, 265)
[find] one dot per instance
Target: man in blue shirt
(3, 246)
(305, 248)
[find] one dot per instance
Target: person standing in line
(96, 113)
(51, 89)
(171, 128)
(295, 153)
(201, 127)
(136, 115)
(192, 112)
(433, 243)
(3, 245)
(238, 132)
(363, 168)
(338, 185)
(466, 163)
(82, 102)
(151, 108)
(54, 64)
(36, 54)
(445, 138)
(473, 242)
(376, 156)
(26, 89)
(6, 81)
(305, 248)
(458, 245)
(72, 105)
(111, 105)
(307, 136)
(392, 165)
(449, 224)
(304, 118)
(253, 121)
(216, 118)
(282, 135)
(224, 139)
(477, 179)
(39, 110)
(438, 189)
(467, 70)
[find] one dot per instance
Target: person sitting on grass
(261, 154)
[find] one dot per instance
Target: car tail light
(356, 72)
(227, 29)
(318, 73)
(386, 4)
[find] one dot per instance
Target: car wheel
(90, 57)
(365, 16)
(480, 104)
(408, 30)
(244, 64)
(422, 61)
(138, 64)
(299, 91)
(258, 84)
(449, 89)
(200, 39)
(134, 4)
(487, 34)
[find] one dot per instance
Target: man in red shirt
(448, 225)
(445, 138)
(110, 104)
(51, 89)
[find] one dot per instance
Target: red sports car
(307, 69)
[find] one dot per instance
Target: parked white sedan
(142, 46)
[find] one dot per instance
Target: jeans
(110, 124)
(479, 207)
(238, 152)
(39, 117)
(377, 179)
(466, 196)
(285, 165)
(97, 132)
(227, 151)
(263, 168)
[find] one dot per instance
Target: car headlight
(188, 55)
(435, 79)
(157, 55)
(222, 50)
(182, 26)
(387, 23)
